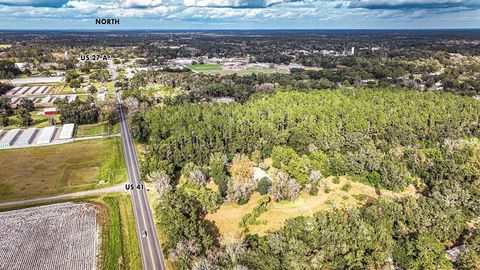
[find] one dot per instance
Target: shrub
(360, 197)
(336, 180)
(242, 201)
(347, 187)
(251, 218)
(264, 166)
(313, 191)
(373, 179)
(284, 187)
(263, 186)
(315, 176)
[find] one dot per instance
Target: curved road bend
(152, 257)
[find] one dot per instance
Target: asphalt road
(152, 257)
(117, 188)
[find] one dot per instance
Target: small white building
(67, 132)
(23, 66)
(101, 96)
(46, 135)
(72, 98)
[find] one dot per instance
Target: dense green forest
(361, 131)
(387, 138)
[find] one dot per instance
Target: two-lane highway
(152, 257)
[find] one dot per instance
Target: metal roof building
(27, 137)
(23, 90)
(12, 92)
(9, 138)
(67, 131)
(45, 99)
(37, 80)
(32, 90)
(42, 89)
(46, 135)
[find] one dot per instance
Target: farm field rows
(59, 236)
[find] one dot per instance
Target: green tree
(181, 218)
(263, 185)
(422, 251)
(24, 117)
(26, 104)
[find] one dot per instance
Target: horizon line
(236, 29)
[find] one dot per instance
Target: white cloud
(148, 3)
(414, 4)
(34, 3)
(251, 13)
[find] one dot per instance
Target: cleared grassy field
(217, 69)
(119, 248)
(39, 121)
(42, 171)
(229, 215)
(205, 67)
(66, 89)
(97, 129)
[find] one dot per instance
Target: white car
(144, 234)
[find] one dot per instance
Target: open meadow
(42, 171)
(228, 217)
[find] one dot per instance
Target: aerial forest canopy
(387, 138)
(368, 133)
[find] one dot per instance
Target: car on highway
(144, 234)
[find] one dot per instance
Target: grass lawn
(42, 171)
(98, 85)
(217, 69)
(229, 215)
(66, 89)
(250, 71)
(97, 129)
(119, 247)
(205, 67)
(39, 121)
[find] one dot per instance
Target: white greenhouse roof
(8, 139)
(67, 131)
(46, 135)
(27, 136)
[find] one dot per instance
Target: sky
(240, 14)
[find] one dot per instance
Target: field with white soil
(59, 236)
